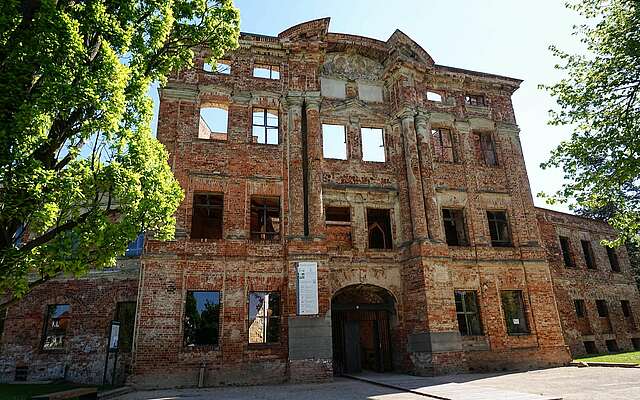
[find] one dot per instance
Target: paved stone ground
(568, 383)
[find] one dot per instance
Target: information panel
(308, 288)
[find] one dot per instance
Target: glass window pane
(258, 116)
(261, 72)
(272, 118)
(223, 68)
(272, 135)
(275, 73)
(273, 330)
(259, 134)
(274, 304)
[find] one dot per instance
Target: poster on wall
(114, 336)
(308, 288)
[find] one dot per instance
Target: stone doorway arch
(361, 317)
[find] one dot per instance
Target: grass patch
(626, 357)
(9, 391)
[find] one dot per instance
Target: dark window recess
(613, 259)
(468, 313)
(626, 308)
(126, 315)
(22, 372)
(264, 317)
(565, 245)
(443, 149)
(202, 318)
(337, 214)
(612, 346)
(265, 218)
(635, 342)
(454, 227)
(57, 323)
(206, 222)
(379, 228)
(475, 100)
(488, 149)
(581, 312)
(265, 126)
(514, 313)
(135, 247)
(499, 228)
(590, 347)
(603, 310)
(587, 250)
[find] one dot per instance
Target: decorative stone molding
(351, 67)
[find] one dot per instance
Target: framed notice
(114, 336)
(307, 288)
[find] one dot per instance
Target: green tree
(80, 172)
(600, 99)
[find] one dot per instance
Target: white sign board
(307, 288)
(114, 336)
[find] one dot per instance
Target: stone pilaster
(314, 154)
(414, 176)
(294, 161)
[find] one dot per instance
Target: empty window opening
(134, 249)
(635, 342)
(587, 250)
(443, 145)
(202, 318)
(612, 346)
(488, 149)
(213, 123)
(468, 313)
(433, 96)
(475, 100)
(22, 372)
(220, 67)
(206, 222)
(264, 317)
(57, 323)
(514, 312)
(334, 141)
(581, 312)
(379, 228)
(613, 259)
(265, 126)
(566, 252)
(590, 347)
(266, 71)
(626, 308)
(454, 227)
(265, 218)
(499, 228)
(339, 215)
(126, 315)
(603, 310)
(373, 144)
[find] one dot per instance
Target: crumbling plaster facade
(356, 82)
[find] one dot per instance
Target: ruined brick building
(349, 204)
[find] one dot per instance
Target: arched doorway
(360, 318)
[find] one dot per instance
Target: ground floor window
(612, 346)
(514, 313)
(202, 318)
(468, 314)
(590, 347)
(264, 317)
(57, 323)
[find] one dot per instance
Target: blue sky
(504, 37)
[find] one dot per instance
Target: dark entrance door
(361, 331)
(351, 347)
